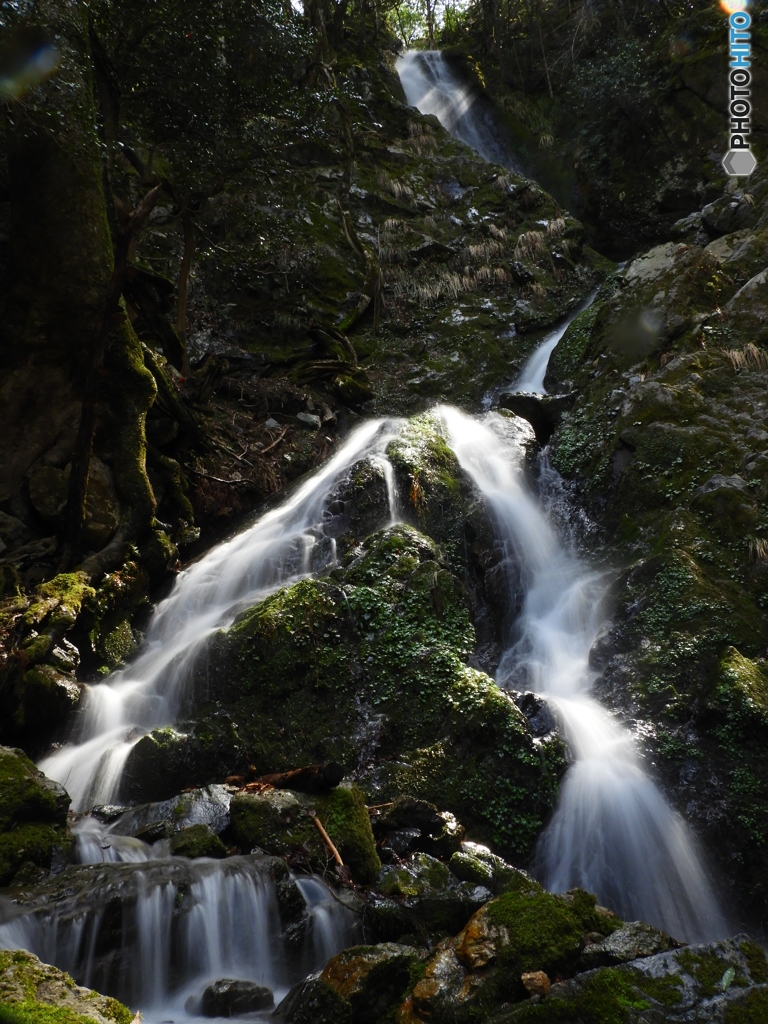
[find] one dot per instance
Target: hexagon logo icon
(739, 163)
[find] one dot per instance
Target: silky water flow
(154, 929)
(613, 832)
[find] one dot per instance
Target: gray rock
(632, 941)
(230, 997)
(687, 993)
(719, 482)
(309, 420)
(206, 806)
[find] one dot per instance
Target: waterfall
(613, 832)
(286, 544)
(430, 84)
(534, 371)
(156, 934)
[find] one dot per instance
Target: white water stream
(284, 545)
(613, 832)
(531, 379)
(156, 934)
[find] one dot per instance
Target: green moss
(22, 974)
(471, 869)
(707, 970)
(197, 841)
(384, 640)
(345, 818)
(24, 795)
(59, 600)
(27, 843)
(756, 962)
(753, 1009)
(545, 931)
(40, 1013)
(607, 997)
(117, 645)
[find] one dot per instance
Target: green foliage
(218, 74)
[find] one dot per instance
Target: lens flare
(732, 6)
(26, 59)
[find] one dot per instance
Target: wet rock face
(33, 816)
(233, 998)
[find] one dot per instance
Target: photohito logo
(739, 161)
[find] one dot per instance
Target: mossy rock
(313, 1001)
(32, 992)
(197, 841)
(712, 982)
(526, 929)
(372, 979)
(282, 823)
(33, 815)
(376, 649)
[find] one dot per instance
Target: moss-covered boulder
(367, 667)
(282, 823)
(372, 979)
(723, 982)
(197, 841)
(32, 992)
(313, 1001)
(33, 815)
(524, 930)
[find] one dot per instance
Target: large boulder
(523, 931)
(366, 667)
(33, 816)
(282, 822)
(372, 979)
(231, 997)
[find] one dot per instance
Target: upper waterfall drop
(286, 544)
(613, 831)
(431, 86)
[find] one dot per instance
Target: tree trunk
(61, 260)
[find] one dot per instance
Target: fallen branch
(276, 442)
(216, 479)
(328, 842)
(314, 778)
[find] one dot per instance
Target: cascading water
(283, 546)
(613, 832)
(431, 85)
(156, 934)
(531, 379)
